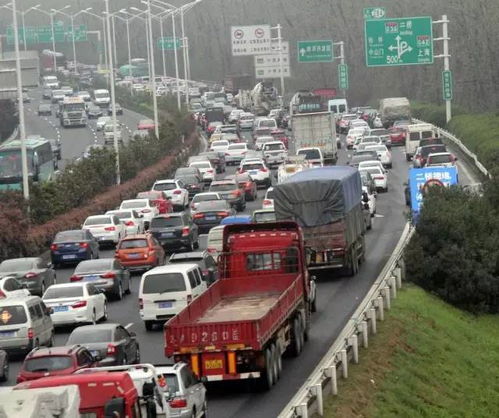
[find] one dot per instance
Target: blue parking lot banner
(422, 178)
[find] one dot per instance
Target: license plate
(213, 364)
(68, 256)
(133, 255)
(102, 238)
(167, 234)
(162, 305)
(92, 278)
(253, 172)
(7, 333)
(211, 218)
(60, 308)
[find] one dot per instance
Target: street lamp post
(113, 96)
(184, 54)
(148, 47)
(103, 20)
(24, 26)
(153, 71)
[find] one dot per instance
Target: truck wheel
(278, 360)
(353, 266)
(148, 325)
(267, 377)
(275, 365)
(313, 306)
(296, 338)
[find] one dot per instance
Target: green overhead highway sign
(374, 13)
(168, 44)
(343, 76)
(43, 34)
(315, 51)
(400, 41)
(447, 85)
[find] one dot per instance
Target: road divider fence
(323, 381)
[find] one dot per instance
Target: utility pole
(281, 67)
(22, 126)
(446, 56)
(153, 71)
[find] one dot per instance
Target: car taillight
(177, 191)
(236, 193)
(108, 275)
(178, 403)
(185, 231)
(211, 250)
(189, 299)
(241, 170)
(129, 223)
(2, 294)
(267, 202)
(31, 334)
(54, 247)
(83, 244)
(146, 210)
(75, 278)
(224, 214)
(263, 169)
(31, 275)
(209, 171)
(110, 228)
(248, 184)
(111, 349)
(227, 153)
(198, 216)
(141, 303)
(378, 178)
(79, 304)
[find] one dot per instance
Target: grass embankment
(478, 131)
(427, 360)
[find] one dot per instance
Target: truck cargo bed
(244, 311)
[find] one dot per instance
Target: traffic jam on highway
(224, 257)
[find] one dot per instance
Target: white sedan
(203, 197)
(105, 228)
(353, 134)
(219, 146)
(384, 155)
(379, 176)
(10, 286)
(74, 303)
(206, 170)
(143, 206)
(134, 222)
(102, 121)
(268, 200)
(175, 191)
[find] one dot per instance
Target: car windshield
(438, 159)
(16, 265)
(364, 153)
(201, 164)
(109, 127)
(91, 266)
(98, 220)
(237, 147)
(425, 151)
(222, 187)
(310, 154)
(274, 147)
(204, 198)
(63, 292)
(185, 171)
(166, 222)
(267, 123)
(253, 166)
(165, 186)
(47, 364)
(264, 217)
(378, 149)
(90, 335)
(164, 282)
(133, 243)
(220, 144)
(123, 215)
(69, 236)
(12, 315)
(171, 383)
(189, 180)
(372, 170)
(212, 206)
(133, 204)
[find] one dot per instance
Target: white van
(50, 82)
(338, 106)
(416, 133)
(102, 97)
(25, 324)
(215, 241)
(164, 291)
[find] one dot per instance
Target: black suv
(175, 230)
(203, 259)
(230, 191)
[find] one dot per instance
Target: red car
(280, 135)
(146, 124)
(55, 361)
(398, 135)
(159, 200)
(140, 252)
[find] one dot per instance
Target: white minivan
(416, 133)
(164, 291)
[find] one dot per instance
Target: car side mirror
(50, 265)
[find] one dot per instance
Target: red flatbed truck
(256, 312)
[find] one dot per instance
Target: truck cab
(72, 112)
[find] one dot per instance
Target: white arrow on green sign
(315, 51)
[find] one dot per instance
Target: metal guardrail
(456, 141)
(324, 379)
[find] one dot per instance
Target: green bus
(41, 162)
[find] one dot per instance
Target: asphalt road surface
(337, 296)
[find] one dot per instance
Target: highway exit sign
(374, 13)
(168, 44)
(400, 41)
(343, 76)
(315, 51)
(447, 85)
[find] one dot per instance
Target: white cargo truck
(316, 130)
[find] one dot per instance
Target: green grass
(428, 360)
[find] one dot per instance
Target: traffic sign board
(374, 13)
(400, 41)
(315, 51)
(168, 44)
(447, 85)
(269, 65)
(343, 76)
(43, 34)
(250, 40)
